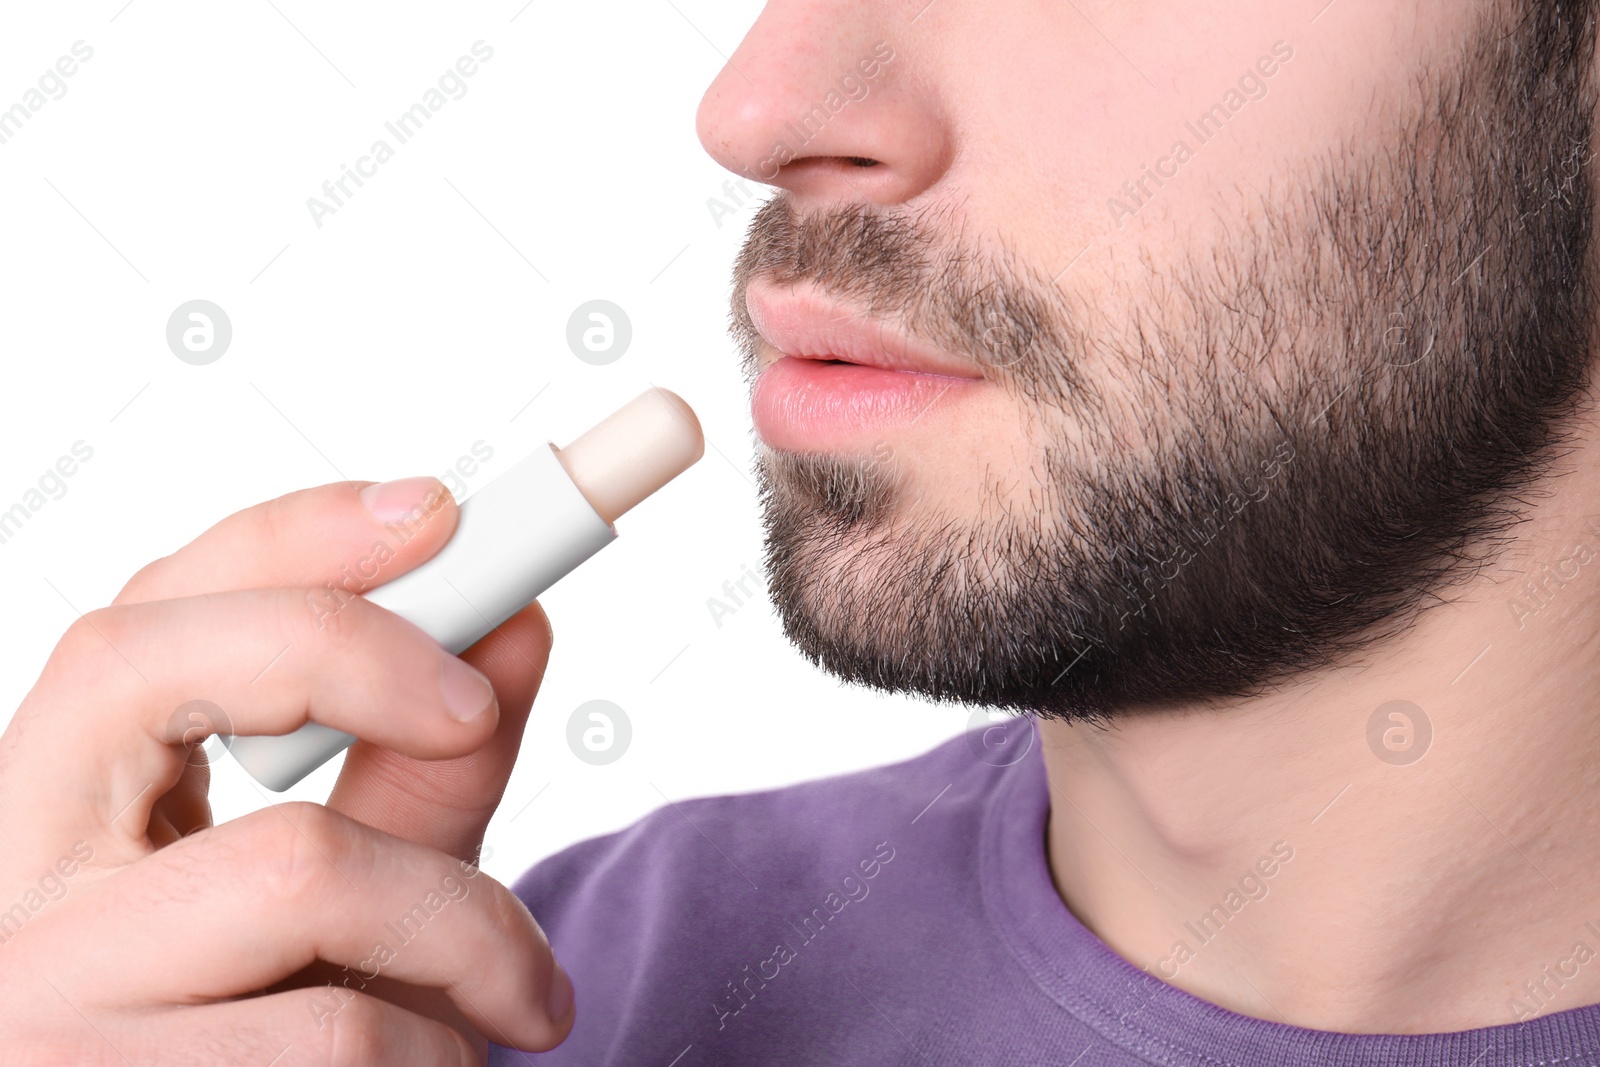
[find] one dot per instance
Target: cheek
(1060, 114)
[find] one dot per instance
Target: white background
(412, 324)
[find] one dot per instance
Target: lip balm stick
(515, 537)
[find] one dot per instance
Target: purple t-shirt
(902, 915)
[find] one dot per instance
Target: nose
(820, 101)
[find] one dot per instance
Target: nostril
(860, 161)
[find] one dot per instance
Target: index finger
(350, 535)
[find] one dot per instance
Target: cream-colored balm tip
(634, 451)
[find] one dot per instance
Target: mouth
(831, 375)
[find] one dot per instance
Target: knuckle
(509, 925)
(111, 627)
(356, 1034)
(302, 847)
(271, 517)
(323, 616)
(290, 518)
(81, 653)
(80, 635)
(505, 911)
(146, 582)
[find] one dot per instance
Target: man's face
(1217, 335)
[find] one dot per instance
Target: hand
(132, 931)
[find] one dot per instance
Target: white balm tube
(514, 539)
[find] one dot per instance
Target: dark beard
(1337, 411)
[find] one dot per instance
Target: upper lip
(799, 321)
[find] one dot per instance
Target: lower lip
(802, 404)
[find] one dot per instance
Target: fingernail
(561, 996)
(467, 693)
(404, 499)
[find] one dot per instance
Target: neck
(1292, 858)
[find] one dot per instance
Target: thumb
(447, 804)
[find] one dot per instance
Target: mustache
(919, 270)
